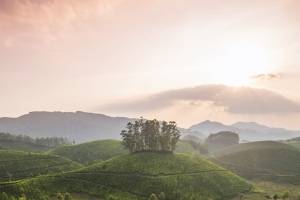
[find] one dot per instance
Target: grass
(137, 176)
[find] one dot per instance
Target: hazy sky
(182, 60)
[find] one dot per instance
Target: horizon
(184, 61)
(187, 128)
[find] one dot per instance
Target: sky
(186, 61)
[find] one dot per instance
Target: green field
(137, 176)
(281, 165)
(17, 165)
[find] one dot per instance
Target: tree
(275, 196)
(67, 196)
(285, 195)
(150, 135)
(153, 197)
(241, 196)
(161, 196)
(4, 196)
(59, 196)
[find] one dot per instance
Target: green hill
(93, 152)
(16, 165)
(272, 164)
(137, 176)
(90, 152)
(250, 145)
(22, 146)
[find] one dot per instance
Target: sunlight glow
(241, 59)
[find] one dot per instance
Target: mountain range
(79, 126)
(83, 127)
(247, 130)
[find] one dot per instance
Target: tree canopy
(150, 135)
(223, 137)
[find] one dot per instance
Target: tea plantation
(274, 164)
(16, 165)
(138, 176)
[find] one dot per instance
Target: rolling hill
(17, 165)
(93, 152)
(90, 152)
(250, 145)
(275, 164)
(137, 176)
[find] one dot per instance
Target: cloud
(266, 77)
(47, 18)
(236, 100)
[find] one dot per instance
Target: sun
(240, 59)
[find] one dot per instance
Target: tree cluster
(150, 135)
(223, 137)
(49, 141)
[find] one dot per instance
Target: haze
(186, 61)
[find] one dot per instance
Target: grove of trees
(223, 137)
(150, 135)
(49, 141)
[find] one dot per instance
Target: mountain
(138, 176)
(247, 130)
(79, 126)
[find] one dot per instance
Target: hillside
(272, 164)
(137, 176)
(79, 127)
(16, 165)
(93, 152)
(90, 152)
(250, 145)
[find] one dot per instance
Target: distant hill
(247, 130)
(137, 176)
(17, 165)
(250, 145)
(79, 126)
(274, 164)
(89, 153)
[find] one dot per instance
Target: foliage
(16, 165)
(224, 137)
(285, 195)
(90, 152)
(49, 142)
(150, 136)
(137, 176)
